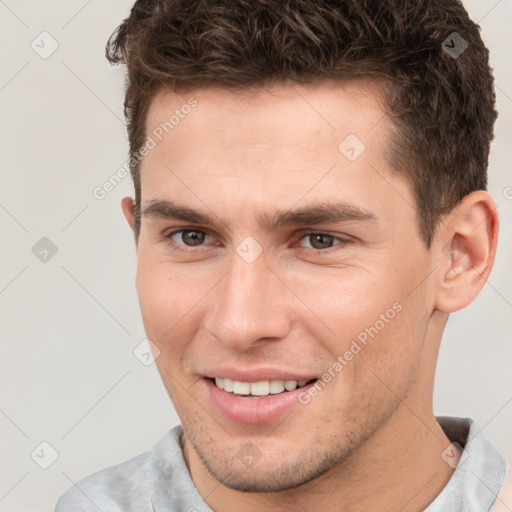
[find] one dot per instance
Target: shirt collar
(479, 474)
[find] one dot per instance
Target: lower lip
(254, 411)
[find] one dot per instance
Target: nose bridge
(250, 304)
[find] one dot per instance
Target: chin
(265, 479)
(274, 473)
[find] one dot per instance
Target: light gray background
(69, 326)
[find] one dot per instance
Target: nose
(251, 306)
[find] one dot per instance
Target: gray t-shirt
(159, 481)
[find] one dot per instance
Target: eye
(322, 241)
(187, 237)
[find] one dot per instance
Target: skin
(369, 439)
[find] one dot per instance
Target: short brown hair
(442, 104)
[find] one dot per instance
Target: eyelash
(179, 247)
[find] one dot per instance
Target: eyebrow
(313, 214)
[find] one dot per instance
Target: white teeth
(228, 385)
(241, 388)
(261, 388)
(276, 386)
(290, 385)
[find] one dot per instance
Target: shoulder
(123, 487)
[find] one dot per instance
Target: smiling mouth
(258, 389)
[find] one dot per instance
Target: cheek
(391, 349)
(338, 304)
(368, 321)
(165, 299)
(167, 306)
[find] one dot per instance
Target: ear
(128, 207)
(466, 243)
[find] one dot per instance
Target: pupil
(327, 239)
(196, 237)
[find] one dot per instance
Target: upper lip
(255, 374)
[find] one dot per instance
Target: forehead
(255, 115)
(270, 145)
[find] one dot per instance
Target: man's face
(251, 301)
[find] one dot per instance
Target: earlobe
(128, 207)
(468, 247)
